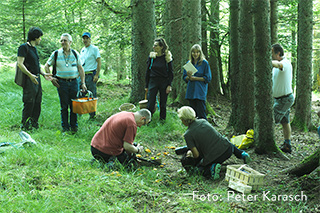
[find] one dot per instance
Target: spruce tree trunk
(191, 34)
(234, 60)
(173, 36)
(143, 35)
(246, 81)
(204, 28)
(302, 119)
(214, 51)
(263, 122)
(274, 21)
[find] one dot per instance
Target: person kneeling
(208, 149)
(116, 136)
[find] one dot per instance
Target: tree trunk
(191, 31)
(143, 35)
(274, 21)
(234, 60)
(214, 85)
(263, 122)
(302, 119)
(306, 166)
(204, 27)
(173, 28)
(246, 84)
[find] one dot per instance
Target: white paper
(189, 67)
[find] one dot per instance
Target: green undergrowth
(58, 174)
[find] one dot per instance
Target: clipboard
(189, 67)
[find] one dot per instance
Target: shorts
(281, 108)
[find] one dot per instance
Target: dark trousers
(123, 158)
(67, 91)
(199, 107)
(32, 96)
(193, 166)
(158, 85)
(91, 86)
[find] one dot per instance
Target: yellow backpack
(243, 141)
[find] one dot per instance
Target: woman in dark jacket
(159, 76)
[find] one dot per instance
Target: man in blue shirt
(91, 63)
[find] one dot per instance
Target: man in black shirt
(28, 62)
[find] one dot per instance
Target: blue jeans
(92, 86)
(67, 91)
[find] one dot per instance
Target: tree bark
(143, 35)
(263, 122)
(302, 119)
(306, 166)
(234, 60)
(246, 84)
(191, 32)
(274, 21)
(173, 35)
(214, 51)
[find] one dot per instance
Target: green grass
(57, 175)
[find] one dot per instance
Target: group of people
(69, 67)
(73, 71)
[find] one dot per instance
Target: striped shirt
(67, 66)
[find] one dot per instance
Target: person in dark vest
(28, 62)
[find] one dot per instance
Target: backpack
(20, 77)
(54, 69)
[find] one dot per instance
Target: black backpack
(54, 69)
(20, 77)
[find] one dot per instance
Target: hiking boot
(74, 130)
(35, 125)
(215, 171)
(286, 147)
(246, 158)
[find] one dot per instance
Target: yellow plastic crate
(245, 175)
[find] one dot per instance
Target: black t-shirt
(159, 68)
(31, 58)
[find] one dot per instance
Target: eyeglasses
(63, 40)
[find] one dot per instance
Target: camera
(181, 150)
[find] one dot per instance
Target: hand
(169, 89)
(95, 78)
(140, 148)
(48, 76)
(33, 78)
(189, 154)
(189, 73)
(55, 83)
(83, 87)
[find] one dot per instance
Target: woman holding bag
(159, 76)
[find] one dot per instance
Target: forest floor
(278, 184)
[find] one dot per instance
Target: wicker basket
(245, 175)
(127, 107)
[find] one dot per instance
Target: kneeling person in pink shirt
(115, 137)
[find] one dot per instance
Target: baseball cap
(86, 34)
